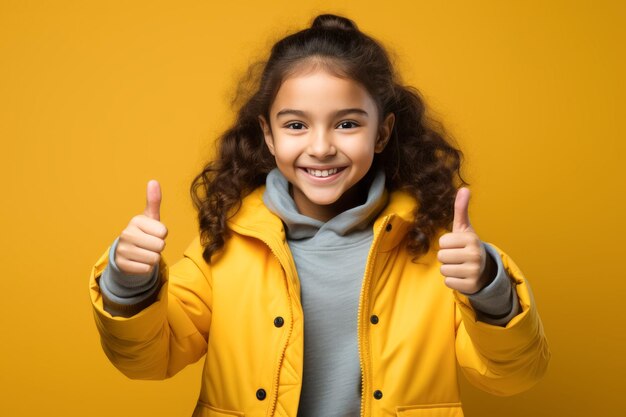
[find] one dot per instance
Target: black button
(374, 319)
(378, 394)
(260, 394)
(279, 321)
(388, 228)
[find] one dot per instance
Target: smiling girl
(336, 272)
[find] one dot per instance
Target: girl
(336, 272)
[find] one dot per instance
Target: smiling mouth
(323, 173)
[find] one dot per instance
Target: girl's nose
(321, 145)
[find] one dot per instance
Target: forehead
(319, 91)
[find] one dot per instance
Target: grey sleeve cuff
(124, 288)
(497, 303)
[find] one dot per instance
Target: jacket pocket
(430, 410)
(205, 410)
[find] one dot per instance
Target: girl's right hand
(141, 243)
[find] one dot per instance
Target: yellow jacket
(243, 314)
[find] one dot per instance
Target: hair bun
(331, 21)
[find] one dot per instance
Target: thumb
(153, 200)
(461, 222)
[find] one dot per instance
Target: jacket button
(378, 394)
(260, 394)
(374, 319)
(279, 321)
(388, 227)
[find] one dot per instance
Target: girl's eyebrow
(338, 113)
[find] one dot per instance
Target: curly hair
(419, 157)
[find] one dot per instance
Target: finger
(153, 200)
(460, 284)
(128, 250)
(149, 226)
(456, 240)
(463, 271)
(468, 254)
(452, 256)
(142, 256)
(149, 242)
(133, 268)
(461, 216)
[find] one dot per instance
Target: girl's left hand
(461, 252)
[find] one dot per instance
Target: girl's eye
(295, 126)
(346, 124)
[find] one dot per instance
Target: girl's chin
(325, 201)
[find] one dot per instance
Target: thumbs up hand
(461, 252)
(141, 243)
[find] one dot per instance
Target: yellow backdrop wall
(98, 97)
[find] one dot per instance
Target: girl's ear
(267, 134)
(384, 133)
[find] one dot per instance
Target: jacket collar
(255, 219)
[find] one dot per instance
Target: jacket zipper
(276, 381)
(364, 301)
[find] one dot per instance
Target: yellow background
(96, 98)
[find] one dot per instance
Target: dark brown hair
(418, 158)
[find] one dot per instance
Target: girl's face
(324, 133)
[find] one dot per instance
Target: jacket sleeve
(502, 360)
(167, 335)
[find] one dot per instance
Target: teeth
(322, 173)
